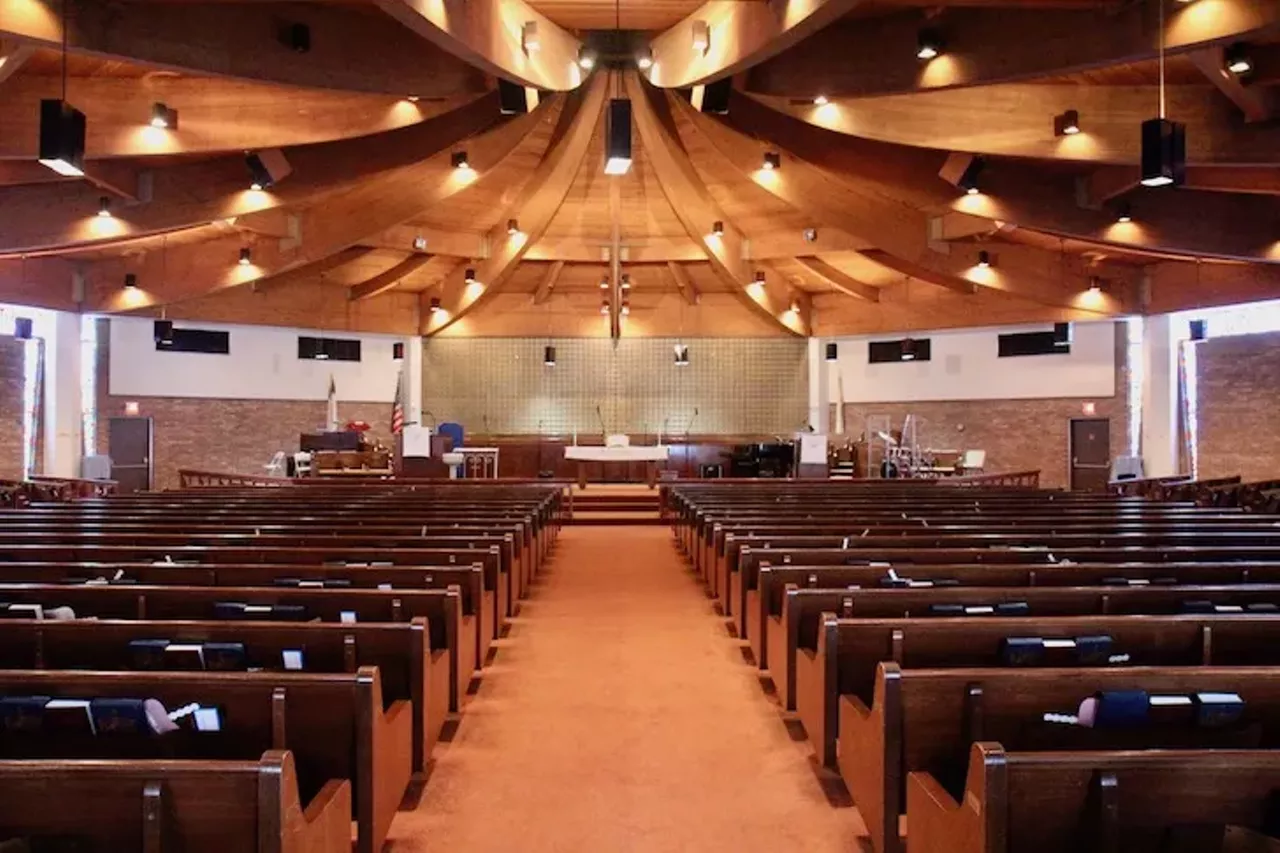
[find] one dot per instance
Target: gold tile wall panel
(500, 385)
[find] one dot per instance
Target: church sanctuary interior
(639, 426)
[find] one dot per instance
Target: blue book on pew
(22, 714)
(225, 657)
(148, 654)
(120, 716)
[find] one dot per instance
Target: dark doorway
(129, 446)
(1089, 447)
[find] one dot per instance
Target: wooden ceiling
(862, 228)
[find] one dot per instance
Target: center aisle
(619, 716)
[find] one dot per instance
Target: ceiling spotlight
(513, 227)
(682, 355)
(969, 177)
(62, 138)
(529, 36)
(604, 283)
(413, 99)
(908, 350)
(701, 36)
(644, 59)
(810, 235)
(1124, 214)
(1066, 124)
(163, 117)
(604, 307)
(772, 160)
(104, 207)
(928, 44)
(759, 277)
(459, 160)
(434, 305)
(984, 259)
(717, 228)
(833, 352)
(549, 356)
(419, 243)
(626, 281)
(130, 280)
(322, 349)
(1095, 284)
(1164, 153)
(469, 276)
(626, 309)
(794, 307)
(586, 59)
(1237, 60)
(820, 101)
(617, 137)
(245, 256)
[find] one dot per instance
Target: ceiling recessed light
(820, 100)
(1124, 213)
(1237, 59)
(459, 160)
(1067, 123)
(246, 256)
(104, 207)
(928, 44)
(772, 161)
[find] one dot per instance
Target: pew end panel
(976, 823)
(817, 700)
(867, 755)
(384, 765)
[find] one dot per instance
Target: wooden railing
(1027, 479)
(189, 479)
(1144, 487)
(19, 493)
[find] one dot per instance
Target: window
(907, 349)
(195, 340)
(335, 349)
(1057, 342)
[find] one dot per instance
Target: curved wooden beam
(340, 219)
(881, 193)
(388, 279)
(548, 283)
(684, 283)
(488, 35)
(839, 280)
(876, 56)
(740, 35)
(185, 194)
(696, 210)
(349, 49)
(215, 115)
(1016, 120)
(533, 209)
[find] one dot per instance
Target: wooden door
(1090, 454)
(129, 446)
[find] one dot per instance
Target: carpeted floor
(619, 715)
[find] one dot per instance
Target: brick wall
(234, 436)
(1017, 435)
(12, 359)
(1238, 381)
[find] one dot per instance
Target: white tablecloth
(646, 453)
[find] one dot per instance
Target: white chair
(617, 440)
(302, 464)
(973, 461)
(275, 468)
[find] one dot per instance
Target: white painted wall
(965, 365)
(263, 365)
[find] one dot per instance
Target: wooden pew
(407, 666)
(926, 720)
(172, 806)
(794, 641)
(1136, 802)
(334, 725)
(477, 602)
(449, 630)
(765, 603)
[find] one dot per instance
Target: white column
(819, 387)
(62, 445)
(1160, 342)
(413, 380)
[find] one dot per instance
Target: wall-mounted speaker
(1199, 330)
(22, 328)
(511, 98)
(833, 352)
(397, 350)
(715, 97)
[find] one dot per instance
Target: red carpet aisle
(620, 716)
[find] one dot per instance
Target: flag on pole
(332, 425)
(397, 405)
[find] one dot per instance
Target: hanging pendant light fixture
(62, 127)
(1164, 142)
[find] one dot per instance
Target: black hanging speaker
(1164, 153)
(511, 99)
(715, 97)
(22, 328)
(397, 350)
(1062, 334)
(833, 352)
(162, 331)
(1199, 330)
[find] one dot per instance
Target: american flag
(397, 405)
